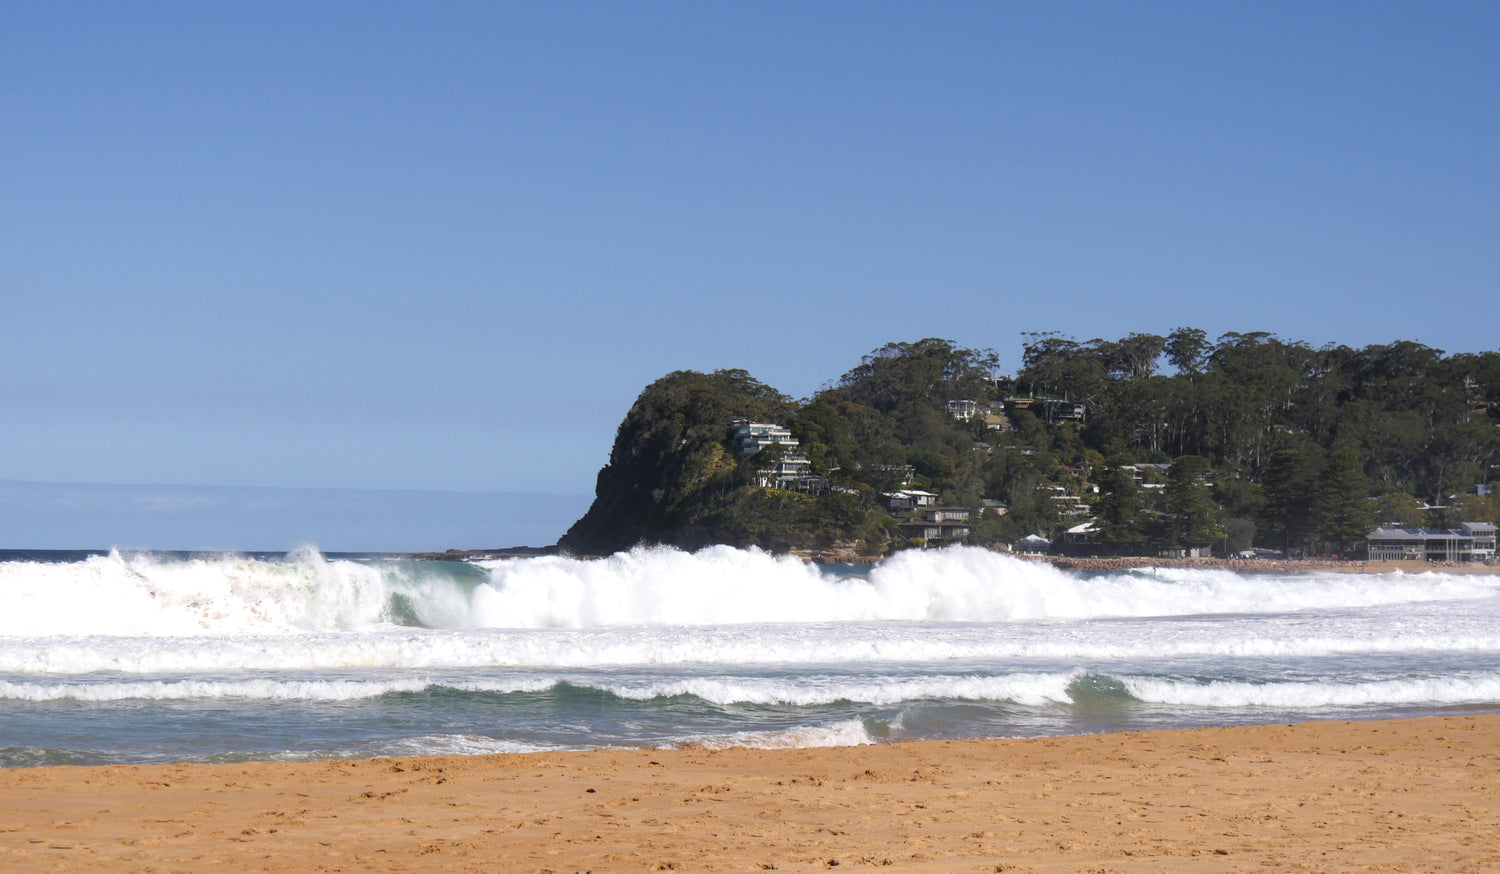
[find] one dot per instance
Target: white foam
(1450, 627)
(722, 585)
(147, 595)
(263, 689)
(1029, 689)
(457, 745)
(133, 596)
(1313, 694)
(845, 733)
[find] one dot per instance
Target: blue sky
(441, 247)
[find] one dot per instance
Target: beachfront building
(1082, 536)
(935, 532)
(1032, 544)
(937, 524)
(1471, 541)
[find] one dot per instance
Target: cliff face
(671, 473)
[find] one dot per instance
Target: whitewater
(149, 657)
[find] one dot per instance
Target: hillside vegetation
(1260, 441)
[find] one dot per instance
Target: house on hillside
(791, 471)
(1052, 411)
(906, 501)
(946, 514)
(938, 525)
(752, 437)
(963, 409)
(1139, 472)
(900, 473)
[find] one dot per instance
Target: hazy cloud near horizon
(97, 516)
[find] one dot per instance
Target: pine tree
(1288, 486)
(1121, 519)
(1190, 505)
(1342, 506)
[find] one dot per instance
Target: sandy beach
(1406, 795)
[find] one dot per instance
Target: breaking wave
(1035, 689)
(144, 594)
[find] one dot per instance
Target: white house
(752, 437)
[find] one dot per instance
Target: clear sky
(441, 247)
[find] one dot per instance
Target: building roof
(1468, 531)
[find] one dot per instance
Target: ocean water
(132, 658)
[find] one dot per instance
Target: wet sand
(1406, 795)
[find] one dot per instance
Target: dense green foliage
(1269, 442)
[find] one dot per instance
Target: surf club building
(1472, 541)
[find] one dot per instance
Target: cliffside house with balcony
(791, 471)
(963, 409)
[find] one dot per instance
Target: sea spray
(722, 585)
(144, 594)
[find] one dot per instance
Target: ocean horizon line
(41, 515)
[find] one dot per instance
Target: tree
(1288, 489)
(1136, 356)
(1190, 505)
(1399, 509)
(1342, 505)
(1185, 348)
(930, 371)
(1120, 511)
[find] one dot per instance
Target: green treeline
(1162, 441)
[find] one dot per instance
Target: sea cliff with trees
(1146, 445)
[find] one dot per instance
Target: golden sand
(1407, 795)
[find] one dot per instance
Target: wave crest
(645, 587)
